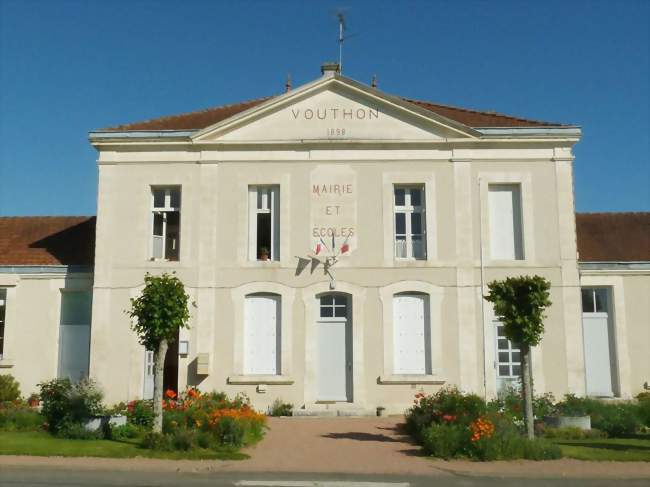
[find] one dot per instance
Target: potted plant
(33, 400)
(264, 253)
(570, 413)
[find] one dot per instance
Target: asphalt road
(39, 477)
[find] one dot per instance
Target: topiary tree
(158, 313)
(519, 302)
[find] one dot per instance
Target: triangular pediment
(334, 108)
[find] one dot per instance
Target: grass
(614, 449)
(43, 444)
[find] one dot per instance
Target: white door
(411, 337)
(147, 390)
(74, 334)
(597, 363)
(597, 345)
(262, 335)
(334, 361)
(74, 351)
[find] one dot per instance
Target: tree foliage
(519, 302)
(160, 310)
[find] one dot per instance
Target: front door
(334, 361)
(600, 363)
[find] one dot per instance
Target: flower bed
(451, 424)
(203, 420)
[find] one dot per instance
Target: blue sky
(70, 66)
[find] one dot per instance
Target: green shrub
(511, 402)
(541, 450)
(140, 413)
(126, 431)
(280, 408)
(205, 440)
(65, 402)
(18, 416)
(614, 418)
(229, 432)
(156, 441)
(643, 409)
(445, 440)
(182, 439)
(9, 388)
(572, 433)
(77, 431)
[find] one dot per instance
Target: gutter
(45, 269)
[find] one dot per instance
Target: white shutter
(410, 334)
(598, 362)
(504, 204)
(262, 335)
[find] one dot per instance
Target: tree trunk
(527, 386)
(158, 370)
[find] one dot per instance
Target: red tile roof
(205, 118)
(613, 237)
(47, 240)
(70, 240)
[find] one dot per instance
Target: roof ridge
(193, 112)
(491, 113)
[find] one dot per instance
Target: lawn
(619, 449)
(43, 444)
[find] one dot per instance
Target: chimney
(330, 69)
(373, 83)
(287, 85)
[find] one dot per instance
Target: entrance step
(333, 411)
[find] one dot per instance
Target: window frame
(272, 193)
(408, 209)
(518, 238)
(164, 211)
(512, 348)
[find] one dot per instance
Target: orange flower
(193, 393)
(170, 394)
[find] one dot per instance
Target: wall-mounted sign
(333, 195)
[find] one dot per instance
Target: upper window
(506, 239)
(166, 222)
(262, 335)
(3, 306)
(333, 306)
(508, 361)
(410, 241)
(411, 334)
(264, 222)
(594, 300)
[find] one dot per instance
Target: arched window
(262, 334)
(411, 334)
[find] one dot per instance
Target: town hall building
(337, 241)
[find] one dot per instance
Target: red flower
(170, 394)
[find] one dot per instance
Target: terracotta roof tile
(47, 240)
(205, 118)
(613, 237)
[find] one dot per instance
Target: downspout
(480, 239)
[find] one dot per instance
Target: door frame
(357, 294)
(349, 348)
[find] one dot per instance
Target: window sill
(260, 379)
(6, 363)
(410, 379)
(263, 263)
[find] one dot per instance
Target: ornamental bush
(66, 403)
(9, 388)
(18, 416)
(451, 424)
(614, 418)
(140, 413)
(206, 420)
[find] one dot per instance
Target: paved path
(356, 446)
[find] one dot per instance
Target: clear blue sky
(70, 66)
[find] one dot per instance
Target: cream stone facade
(328, 166)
